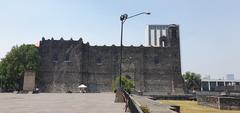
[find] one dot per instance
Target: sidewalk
(60, 103)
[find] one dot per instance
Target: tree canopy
(192, 80)
(15, 63)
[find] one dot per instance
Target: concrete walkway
(154, 107)
(60, 103)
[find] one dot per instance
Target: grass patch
(145, 109)
(193, 107)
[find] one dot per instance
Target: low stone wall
(211, 101)
(155, 106)
(132, 105)
(229, 103)
(219, 102)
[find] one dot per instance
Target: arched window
(67, 57)
(174, 33)
(163, 43)
(99, 60)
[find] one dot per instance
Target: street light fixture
(123, 18)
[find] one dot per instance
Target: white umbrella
(82, 86)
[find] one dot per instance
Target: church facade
(155, 70)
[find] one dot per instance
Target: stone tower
(166, 73)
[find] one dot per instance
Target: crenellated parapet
(62, 41)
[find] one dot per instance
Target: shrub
(127, 84)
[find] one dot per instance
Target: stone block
(29, 81)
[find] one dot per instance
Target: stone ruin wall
(216, 100)
(65, 64)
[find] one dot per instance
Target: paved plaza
(60, 103)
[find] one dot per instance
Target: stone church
(154, 68)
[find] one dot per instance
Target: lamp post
(1, 84)
(123, 18)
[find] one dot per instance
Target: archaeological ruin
(155, 69)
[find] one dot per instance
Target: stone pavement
(60, 103)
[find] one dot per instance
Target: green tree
(127, 83)
(192, 81)
(15, 63)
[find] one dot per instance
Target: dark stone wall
(230, 103)
(65, 64)
(220, 102)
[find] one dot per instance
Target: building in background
(230, 77)
(207, 77)
(229, 83)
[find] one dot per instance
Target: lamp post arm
(138, 14)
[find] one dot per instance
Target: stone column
(160, 37)
(209, 86)
(155, 36)
(149, 36)
(29, 80)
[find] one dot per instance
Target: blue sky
(209, 28)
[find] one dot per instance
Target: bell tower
(162, 35)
